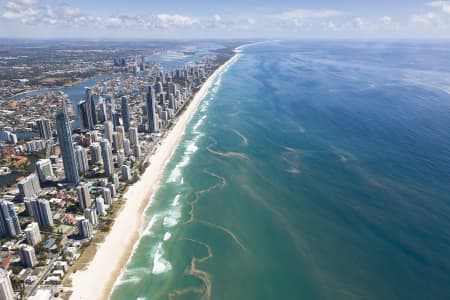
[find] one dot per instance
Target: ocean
(312, 170)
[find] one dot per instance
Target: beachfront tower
(6, 290)
(9, 219)
(33, 234)
(107, 158)
(151, 110)
(41, 212)
(65, 142)
(84, 198)
(125, 113)
(108, 130)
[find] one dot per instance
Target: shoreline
(98, 279)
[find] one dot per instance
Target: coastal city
(65, 163)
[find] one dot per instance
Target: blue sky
(148, 19)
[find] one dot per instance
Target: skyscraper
(33, 234)
(81, 158)
(90, 98)
(41, 212)
(126, 147)
(100, 206)
(108, 131)
(107, 158)
(84, 228)
(133, 133)
(151, 110)
(84, 197)
(87, 112)
(137, 151)
(27, 255)
(96, 153)
(65, 141)
(125, 113)
(126, 173)
(106, 193)
(8, 217)
(85, 115)
(91, 215)
(29, 186)
(6, 290)
(117, 140)
(45, 130)
(44, 169)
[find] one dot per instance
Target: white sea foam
(167, 236)
(133, 279)
(199, 123)
(190, 148)
(176, 200)
(148, 230)
(172, 217)
(160, 265)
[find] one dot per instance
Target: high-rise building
(33, 234)
(117, 141)
(44, 127)
(84, 198)
(137, 151)
(84, 228)
(41, 212)
(44, 170)
(90, 98)
(87, 112)
(96, 153)
(108, 131)
(6, 289)
(27, 255)
(91, 215)
(10, 224)
(107, 158)
(106, 193)
(126, 173)
(152, 118)
(115, 119)
(120, 158)
(126, 147)
(82, 159)
(125, 113)
(115, 180)
(86, 121)
(101, 110)
(100, 206)
(133, 134)
(65, 141)
(29, 186)
(28, 207)
(112, 188)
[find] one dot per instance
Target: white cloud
(299, 15)
(438, 18)
(330, 26)
(443, 5)
(386, 20)
(178, 21)
(358, 22)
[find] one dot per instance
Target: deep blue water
(312, 170)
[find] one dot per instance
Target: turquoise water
(312, 170)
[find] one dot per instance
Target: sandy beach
(97, 280)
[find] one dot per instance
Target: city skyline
(177, 19)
